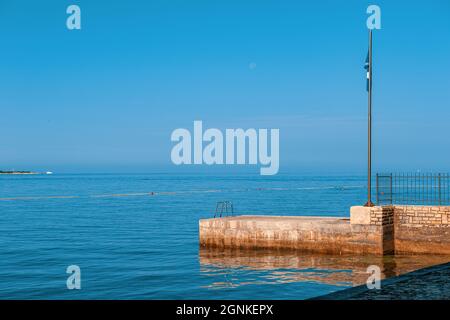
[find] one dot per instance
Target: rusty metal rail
(413, 189)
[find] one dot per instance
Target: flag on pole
(366, 66)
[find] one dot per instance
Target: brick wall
(422, 216)
(413, 229)
(382, 216)
(410, 216)
(422, 229)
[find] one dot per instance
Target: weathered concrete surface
(424, 284)
(360, 215)
(314, 234)
(423, 240)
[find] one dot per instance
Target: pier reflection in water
(234, 268)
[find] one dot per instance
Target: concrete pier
(316, 234)
(375, 230)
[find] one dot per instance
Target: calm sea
(136, 237)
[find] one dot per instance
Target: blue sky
(107, 97)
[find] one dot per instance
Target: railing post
(217, 209)
(439, 189)
(378, 191)
(391, 191)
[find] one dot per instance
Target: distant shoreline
(23, 172)
(18, 172)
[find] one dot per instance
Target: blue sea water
(136, 236)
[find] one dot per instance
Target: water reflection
(238, 267)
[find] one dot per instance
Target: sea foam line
(169, 193)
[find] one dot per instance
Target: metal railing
(224, 208)
(413, 189)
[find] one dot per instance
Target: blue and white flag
(366, 66)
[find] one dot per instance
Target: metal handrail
(223, 207)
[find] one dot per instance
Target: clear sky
(107, 97)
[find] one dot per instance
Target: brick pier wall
(422, 229)
(422, 216)
(410, 229)
(384, 218)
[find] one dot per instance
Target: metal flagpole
(369, 136)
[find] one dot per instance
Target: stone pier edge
(371, 230)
